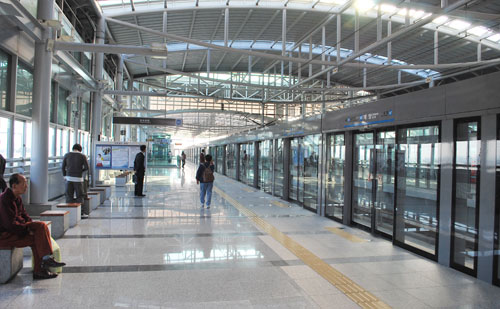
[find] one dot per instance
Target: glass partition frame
(472, 172)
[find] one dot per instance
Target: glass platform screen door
(373, 181)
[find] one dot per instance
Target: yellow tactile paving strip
(248, 190)
(361, 297)
(279, 204)
(345, 234)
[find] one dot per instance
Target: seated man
(18, 230)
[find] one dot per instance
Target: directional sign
(178, 122)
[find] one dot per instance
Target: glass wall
(231, 161)
(362, 182)
(266, 166)
(85, 116)
(4, 79)
(24, 93)
(465, 195)
(220, 159)
(18, 139)
(311, 145)
(335, 162)
(417, 201)
(62, 107)
(296, 166)
(5, 134)
(278, 167)
(496, 275)
(52, 142)
(246, 163)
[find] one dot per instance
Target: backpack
(208, 175)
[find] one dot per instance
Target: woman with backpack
(205, 177)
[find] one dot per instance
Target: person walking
(140, 171)
(183, 159)
(205, 178)
(73, 166)
(3, 184)
(202, 156)
(18, 230)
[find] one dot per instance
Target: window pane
(231, 161)
(85, 116)
(28, 139)
(24, 93)
(266, 166)
(335, 176)
(5, 133)
(4, 66)
(417, 195)
(278, 168)
(62, 107)
(466, 184)
(65, 140)
(18, 139)
(311, 164)
(52, 140)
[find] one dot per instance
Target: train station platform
(250, 250)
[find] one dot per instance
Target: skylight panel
(479, 31)
(364, 5)
(104, 3)
(387, 8)
(440, 20)
(458, 24)
(495, 38)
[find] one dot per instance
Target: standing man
(205, 176)
(18, 230)
(73, 166)
(140, 171)
(202, 156)
(3, 184)
(183, 158)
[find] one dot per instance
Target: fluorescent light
(458, 24)
(387, 8)
(479, 30)
(364, 5)
(402, 12)
(440, 20)
(416, 14)
(495, 38)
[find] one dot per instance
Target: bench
(102, 194)
(75, 212)
(11, 262)
(60, 221)
(95, 199)
(106, 188)
(122, 179)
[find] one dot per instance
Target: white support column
(399, 77)
(97, 96)
(129, 105)
(389, 44)
(479, 52)
(339, 35)
(323, 44)
(118, 98)
(226, 27)
(379, 23)
(310, 56)
(208, 63)
(356, 31)
(283, 33)
(436, 47)
(364, 77)
(39, 176)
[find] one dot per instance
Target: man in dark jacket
(3, 184)
(205, 177)
(73, 166)
(140, 171)
(18, 230)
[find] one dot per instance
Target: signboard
(119, 156)
(148, 121)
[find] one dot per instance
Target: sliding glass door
(335, 163)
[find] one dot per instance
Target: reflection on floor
(164, 251)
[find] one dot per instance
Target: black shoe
(142, 195)
(51, 263)
(84, 216)
(44, 274)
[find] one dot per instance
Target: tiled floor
(163, 251)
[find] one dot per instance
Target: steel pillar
(97, 96)
(39, 171)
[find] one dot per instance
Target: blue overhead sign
(178, 122)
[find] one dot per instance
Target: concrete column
(97, 96)
(487, 201)
(445, 194)
(39, 176)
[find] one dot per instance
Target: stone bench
(102, 194)
(75, 212)
(106, 188)
(60, 221)
(122, 179)
(11, 262)
(95, 199)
